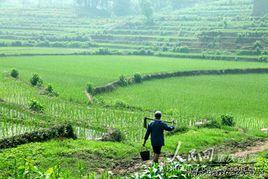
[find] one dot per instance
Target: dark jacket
(156, 129)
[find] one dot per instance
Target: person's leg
(157, 152)
(156, 157)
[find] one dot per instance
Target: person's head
(158, 115)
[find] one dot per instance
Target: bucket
(145, 154)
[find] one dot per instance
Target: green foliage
(65, 131)
(123, 80)
(36, 106)
(90, 88)
(137, 78)
(213, 123)
(36, 80)
(261, 167)
(50, 91)
(169, 170)
(113, 135)
(179, 129)
(14, 73)
(227, 120)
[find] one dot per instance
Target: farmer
(156, 130)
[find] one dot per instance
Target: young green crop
(243, 96)
(70, 74)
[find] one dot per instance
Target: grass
(70, 74)
(81, 157)
(243, 96)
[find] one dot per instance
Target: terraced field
(196, 32)
(202, 97)
(62, 73)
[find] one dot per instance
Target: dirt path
(260, 147)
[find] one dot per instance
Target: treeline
(108, 8)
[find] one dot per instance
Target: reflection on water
(87, 133)
(8, 129)
(13, 129)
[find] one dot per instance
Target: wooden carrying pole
(145, 125)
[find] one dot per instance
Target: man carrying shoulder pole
(156, 130)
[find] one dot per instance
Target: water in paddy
(13, 129)
(87, 133)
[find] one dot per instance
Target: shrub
(227, 120)
(36, 106)
(114, 135)
(50, 88)
(50, 91)
(137, 78)
(213, 123)
(90, 88)
(123, 80)
(14, 73)
(36, 80)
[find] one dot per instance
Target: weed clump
(123, 80)
(36, 106)
(180, 129)
(227, 120)
(213, 123)
(137, 78)
(113, 135)
(50, 91)
(14, 73)
(36, 80)
(89, 88)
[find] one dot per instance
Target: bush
(14, 73)
(113, 135)
(137, 78)
(50, 91)
(36, 106)
(227, 120)
(123, 80)
(36, 80)
(90, 88)
(213, 123)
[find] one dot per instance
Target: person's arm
(148, 132)
(167, 128)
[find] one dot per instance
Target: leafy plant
(137, 78)
(36, 80)
(114, 135)
(169, 170)
(123, 80)
(213, 123)
(14, 73)
(227, 120)
(89, 88)
(36, 106)
(50, 91)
